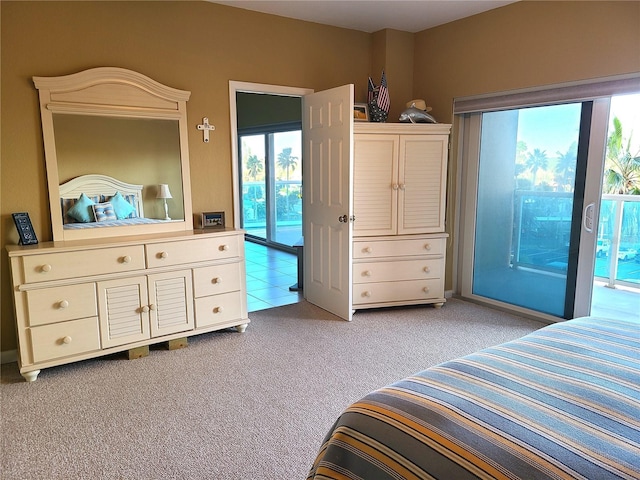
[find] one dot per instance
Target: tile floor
(270, 273)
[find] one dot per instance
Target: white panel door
(327, 179)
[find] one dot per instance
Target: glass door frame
(469, 126)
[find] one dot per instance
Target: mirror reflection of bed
(129, 151)
(98, 201)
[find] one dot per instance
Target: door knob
(343, 218)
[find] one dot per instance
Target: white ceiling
(372, 15)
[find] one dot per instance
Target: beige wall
(196, 46)
(525, 44)
(199, 46)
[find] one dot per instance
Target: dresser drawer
(82, 263)
(382, 292)
(216, 279)
(396, 248)
(64, 339)
(191, 251)
(58, 304)
(218, 309)
(389, 271)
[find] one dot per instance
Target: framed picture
(25, 229)
(212, 220)
(360, 112)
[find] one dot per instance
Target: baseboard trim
(9, 356)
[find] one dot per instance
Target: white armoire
(399, 187)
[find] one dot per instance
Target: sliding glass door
(526, 198)
(532, 181)
(271, 186)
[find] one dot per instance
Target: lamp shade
(163, 191)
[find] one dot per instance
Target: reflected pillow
(122, 207)
(81, 210)
(104, 212)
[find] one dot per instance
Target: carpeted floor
(229, 406)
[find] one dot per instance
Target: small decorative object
(206, 128)
(360, 112)
(25, 229)
(164, 193)
(378, 100)
(213, 220)
(416, 112)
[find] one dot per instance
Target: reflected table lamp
(164, 193)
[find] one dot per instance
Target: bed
(561, 402)
(85, 202)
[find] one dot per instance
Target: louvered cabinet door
(375, 184)
(422, 180)
(171, 302)
(123, 308)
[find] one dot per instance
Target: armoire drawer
(192, 251)
(58, 304)
(218, 309)
(64, 339)
(382, 292)
(395, 248)
(216, 279)
(82, 263)
(390, 271)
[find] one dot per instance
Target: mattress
(561, 402)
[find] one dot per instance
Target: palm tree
(622, 168)
(536, 161)
(253, 167)
(566, 166)
(286, 161)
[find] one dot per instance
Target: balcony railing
(618, 248)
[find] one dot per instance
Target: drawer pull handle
(395, 186)
(425, 289)
(145, 309)
(367, 249)
(63, 304)
(45, 268)
(426, 269)
(366, 294)
(216, 280)
(67, 340)
(218, 309)
(224, 248)
(126, 259)
(367, 273)
(153, 307)
(402, 186)
(163, 255)
(427, 246)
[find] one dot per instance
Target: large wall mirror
(116, 154)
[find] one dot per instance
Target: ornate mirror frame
(117, 93)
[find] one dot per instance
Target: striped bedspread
(562, 402)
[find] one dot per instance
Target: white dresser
(81, 299)
(399, 190)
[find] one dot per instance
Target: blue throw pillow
(104, 212)
(81, 210)
(122, 208)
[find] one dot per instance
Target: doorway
(271, 265)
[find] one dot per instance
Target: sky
(561, 122)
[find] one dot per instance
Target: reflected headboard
(102, 185)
